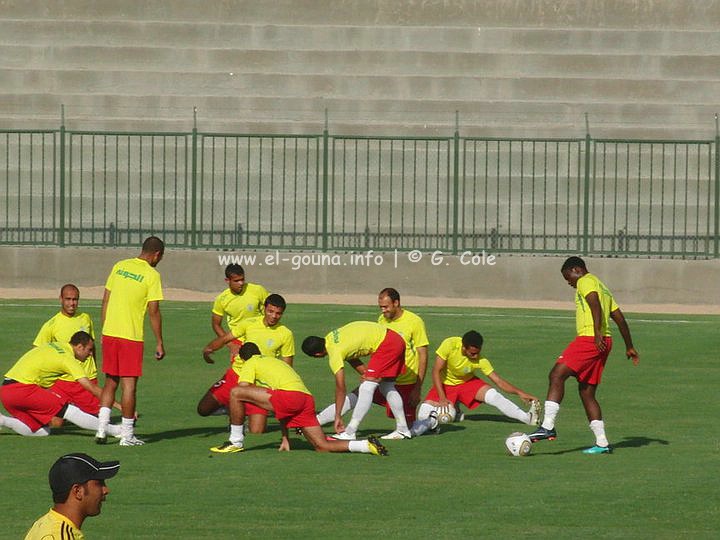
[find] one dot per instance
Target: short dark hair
(391, 293)
(153, 244)
(68, 286)
(573, 262)
(248, 350)
(234, 269)
(80, 338)
(276, 300)
(472, 339)
(313, 345)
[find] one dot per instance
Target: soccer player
(77, 482)
(408, 384)
(239, 301)
(387, 360)
(61, 328)
(273, 339)
(458, 360)
(273, 385)
(132, 288)
(25, 391)
(585, 357)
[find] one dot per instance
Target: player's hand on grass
(284, 445)
(207, 357)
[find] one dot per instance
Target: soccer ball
(518, 444)
(445, 416)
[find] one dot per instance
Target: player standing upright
(239, 301)
(132, 288)
(586, 356)
(387, 360)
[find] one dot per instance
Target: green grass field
(661, 482)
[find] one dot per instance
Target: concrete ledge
(472, 280)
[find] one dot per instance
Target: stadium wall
(470, 279)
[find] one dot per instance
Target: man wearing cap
(77, 482)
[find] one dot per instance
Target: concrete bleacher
(640, 68)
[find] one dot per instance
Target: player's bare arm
(340, 391)
(422, 370)
(216, 323)
(288, 360)
(624, 329)
(505, 386)
(103, 309)
(153, 309)
(593, 301)
(284, 441)
(216, 344)
(439, 365)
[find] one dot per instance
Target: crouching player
(454, 380)
(273, 385)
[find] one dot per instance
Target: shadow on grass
(180, 433)
(627, 442)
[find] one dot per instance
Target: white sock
(395, 402)
(80, 418)
(424, 422)
(362, 447)
(21, 428)
(103, 419)
(366, 391)
(114, 430)
(127, 428)
(327, 415)
(551, 410)
(598, 428)
(505, 406)
(237, 434)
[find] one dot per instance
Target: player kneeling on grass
(273, 385)
(454, 379)
(25, 391)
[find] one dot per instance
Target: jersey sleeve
(335, 361)
(444, 350)
(484, 366)
(247, 372)
(74, 368)
(288, 346)
(155, 293)
(44, 335)
(420, 337)
(240, 329)
(217, 307)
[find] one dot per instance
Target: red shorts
(405, 390)
(77, 395)
(122, 357)
(584, 358)
(294, 409)
(33, 405)
(388, 361)
(239, 344)
(464, 393)
(221, 391)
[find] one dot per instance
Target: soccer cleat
(534, 412)
(376, 447)
(397, 436)
(541, 434)
(131, 441)
(459, 415)
(227, 448)
(344, 436)
(598, 450)
(100, 436)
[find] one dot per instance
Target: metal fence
(344, 193)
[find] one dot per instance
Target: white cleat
(344, 436)
(535, 412)
(397, 436)
(131, 441)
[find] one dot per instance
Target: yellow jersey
(61, 328)
(460, 368)
(276, 341)
(269, 372)
(54, 526)
(45, 364)
(583, 316)
(412, 329)
(132, 284)
(236, 307)
(355, 339)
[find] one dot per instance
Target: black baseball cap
(77, 469)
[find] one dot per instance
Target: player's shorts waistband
(8, 381)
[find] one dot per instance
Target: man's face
(92, 495)
(236, 282)
(572, 275)
(69, 298)
(82, 352)
(473, 353)
(273, 314)
(390, 310)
